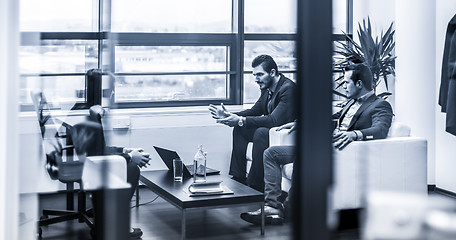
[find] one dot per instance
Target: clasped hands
(223, 116)
(138, 156)
(342, 138)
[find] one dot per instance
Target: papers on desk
(207, 188)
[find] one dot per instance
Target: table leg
(183, 225)
(137, 196)
(262, 219)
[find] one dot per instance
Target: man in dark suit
(274, 108)
(88, 138)
(364, 117)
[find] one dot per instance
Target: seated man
(89, 140)
(274, 108)
(364, 117)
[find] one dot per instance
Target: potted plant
(376, 53)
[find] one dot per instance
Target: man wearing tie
(364, 117)
(274, 108)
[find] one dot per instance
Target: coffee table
(162, 183)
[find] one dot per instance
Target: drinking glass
(178, 169)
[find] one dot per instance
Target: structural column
(312, 174)
(9, 79)
(416, 72)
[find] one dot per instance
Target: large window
(159, 53)
(172, 16)
(283, 53)
(270, 16)
(151, 73)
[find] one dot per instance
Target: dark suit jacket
(283, 101)
(373, 118)
(447, 95)
(88, 137)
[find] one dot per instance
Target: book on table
(208, 188)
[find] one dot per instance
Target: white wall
(381, 13)
(415, 71)
(180, 131)
(445, 143)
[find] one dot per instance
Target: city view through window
(171, 60)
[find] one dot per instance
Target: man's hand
(218, 113)
(291, 126)
(139, 157)
(129, 150)
(232, 120)
(343, 138)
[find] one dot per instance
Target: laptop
(167, 157)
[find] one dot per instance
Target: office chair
(68, 172)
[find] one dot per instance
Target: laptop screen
(167, 157)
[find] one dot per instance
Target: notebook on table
(168, 155)
(207, 189)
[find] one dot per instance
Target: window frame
(178, 39)
(233, 41)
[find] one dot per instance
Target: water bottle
(199, 165)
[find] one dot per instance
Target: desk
(161, 182)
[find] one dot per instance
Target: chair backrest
(88, 138)
(52, 147)
(65, 172)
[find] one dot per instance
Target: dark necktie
(346, 108)
(269, 106)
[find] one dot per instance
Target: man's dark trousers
(241, 137)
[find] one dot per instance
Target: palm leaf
(376, 53)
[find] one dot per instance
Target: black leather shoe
(135, 233)
(272, 216)
(283, 196)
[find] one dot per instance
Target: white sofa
(397, 163)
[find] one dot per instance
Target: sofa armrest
(276, 138)
(281, 138)
(393, 164)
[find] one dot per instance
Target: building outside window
(161, 54)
